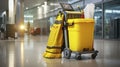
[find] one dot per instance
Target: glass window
(52, 20)
(112, 19)
(91, 1)
(98, 21)
(75, 5)
(106, 0)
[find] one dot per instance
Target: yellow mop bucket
(55, 40)
(81, 34)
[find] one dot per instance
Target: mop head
(55, 40)
(51, 55)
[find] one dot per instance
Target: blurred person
(28, 28)
(2, 33)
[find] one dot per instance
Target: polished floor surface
(27, 52)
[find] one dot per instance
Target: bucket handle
(70, 24)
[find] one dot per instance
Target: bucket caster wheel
(94, 55)
(78, 57)
(67, 53)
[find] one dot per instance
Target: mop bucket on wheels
(55, 40)
(81, 34)
(81, 38)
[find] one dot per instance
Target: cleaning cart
(78, 33)
(74, 32)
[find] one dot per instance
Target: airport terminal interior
(31, 29)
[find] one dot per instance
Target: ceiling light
(26, 8)
(37, 4)
(54, 4)
(38, 7)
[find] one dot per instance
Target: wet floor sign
(55, 40)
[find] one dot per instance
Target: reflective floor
(27, 52)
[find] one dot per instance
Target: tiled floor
(27, 52)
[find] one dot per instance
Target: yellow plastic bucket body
(81, 34)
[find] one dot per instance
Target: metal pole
(66, 31)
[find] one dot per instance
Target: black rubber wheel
(67, 53)
(94, 56)
(78, 57)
